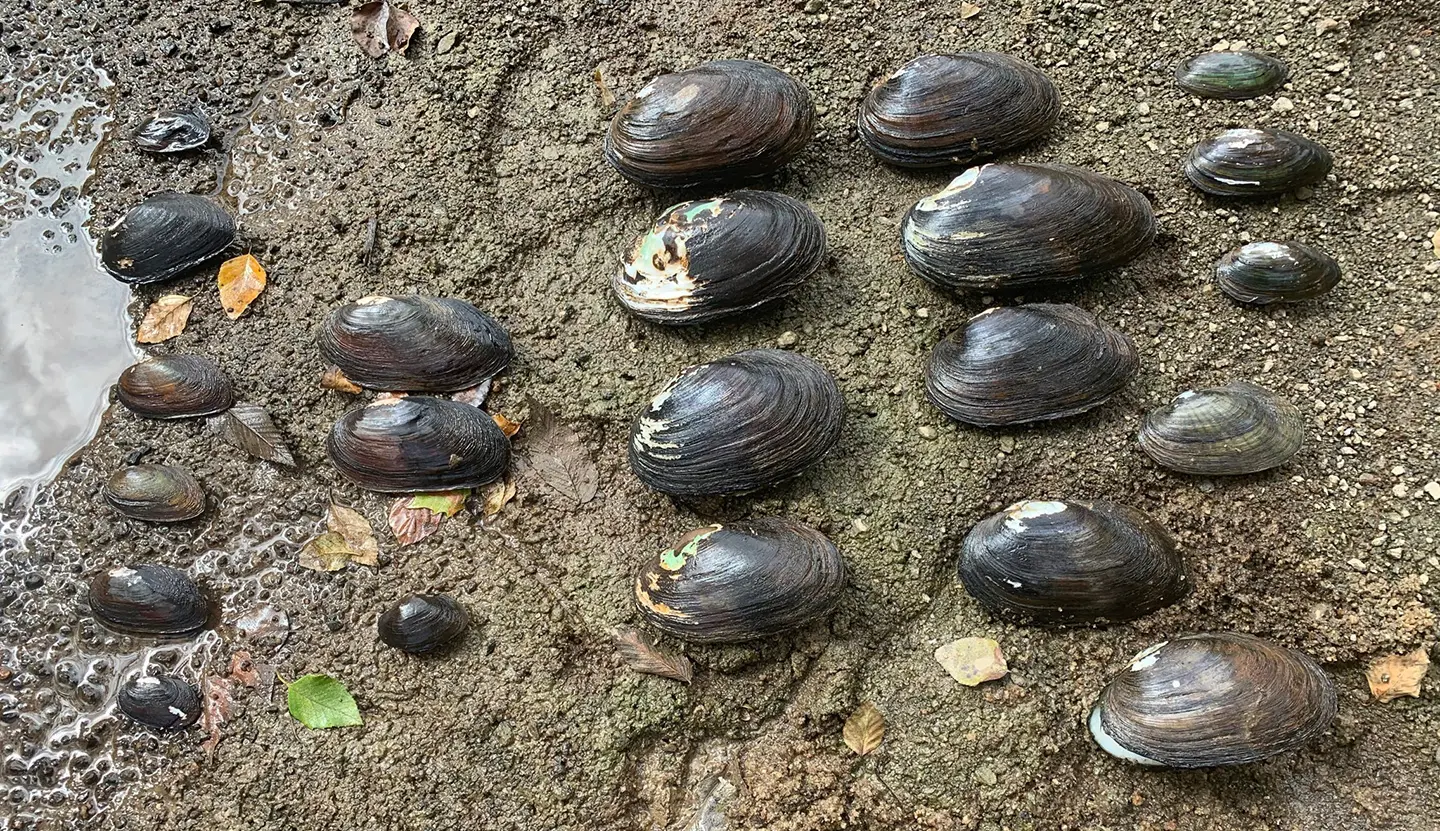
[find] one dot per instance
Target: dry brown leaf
(413, 518)
(379, 27)
(496, 496)
(249, 427)
(968, 10)
(359, 536)
(165, 319)
(1393, 676)
(555, 451)
(241, 281)
(327, 552)
(218, 702)
(607, 98)
(334, 379)
(642, 656)
(243, 669)
(865, 729)
(972, 661)
(508, 427)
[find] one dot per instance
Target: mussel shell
(740, 581)
(1016, 364)
(411, 342)
(1007, 226)
(160, 702)
(175, 386)
(722, 120)
(1060, 562)
(423, 623)
(716, 257)
(1276, 272)
(1213, 699)
(164, 236)
(938, 110)
(155, 493)
(753, 419)
(172, 131)
(1226, 431)
(148, 600)
(418, 444)
(1256, 162)
(1232, 75)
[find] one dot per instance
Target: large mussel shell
(953, 109)
(710, 258)
(173, 131)
(160, 702)
(1256, 162)
(1060, 562)
(1276, 272)
(164, 236)
(1012, 365)
(148, 600)
(721, 120)
(175, 386)
(418, 444)
(416, 343)
(753, 419)
(1007, 226)
(423, 623)
(155, 493)
(1213, 699)
(740, 581)
(1233, 75)
(1226, 431)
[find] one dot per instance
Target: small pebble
(1007, 444)
(1400, 491)
(447, 43)
(1282, 105)
(787, 340)
(1281, 40)
(986, 776)
(928, 432)
(1329, 24)
(1433, 489)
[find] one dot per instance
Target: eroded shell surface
(165, 236)
(175, 386)
(1232, 75)
(173, 131)
(1256, 162)
(148, 600)
(1276, 272)
(1224, 431)
(160, 702)
(423, 623)
(155, 493)
(415, 343)
(418, 444)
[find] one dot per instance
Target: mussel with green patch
(155, 493)
(1232, 75)
(1224, 431)
(148, 600)
(423, 623)
(415, 343)
(417, 444)
(1256, 162)
(165, 236)
(175, 386)
(1276, 272)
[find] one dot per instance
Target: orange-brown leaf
(496, 496)
(379, 27)
(413, 518)
(216, 691)
(165, 319)
(1393, 676)
(865, 729)
(642, 656)
(241, 281)
(334, 379)
(242, 669)
(508, 427)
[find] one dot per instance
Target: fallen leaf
(334, 379)
(320, 702)
(327, 552)
(968, 10)
(972, 661)
(1435, 242)
(243, 670)
(265, 625)
(496, 496)
(379, 27)
(607, 98)
(218, 704)
(165, 319)
(241, 281)
(359, 536)
(474, 396)
(508, 427)
(445, 503)
(556, 453)
(413, 518)
(642, 656)
(865, 729)
(248, 427)
(1394, 676)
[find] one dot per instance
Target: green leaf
(319, 701)
(445, 503)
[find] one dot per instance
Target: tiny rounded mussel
(175, 386)
(1009, 226)
(1276, 272)
(1017, 364)
(711, 258)
(1226, 431)
(1063, 562)
(1256, 162)
(418, 444)
(1233, 75)
(722, 120)
(173, 131)
(415, 343)
(155, 493)
(423, 623)
(165, 236)
(939, 110)
(740, 581)
(160, 702)
(1213, 699)
(753, 419)
(148, 600)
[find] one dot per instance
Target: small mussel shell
(423, 623)
(740, 581)
(1233, 75)
(1017, 364)
(721, 120)
(155, 493)
(1226, 431)
(1060, 562)
(1213, 699)
(175, 386)
(753, 419)
(418, 444)
(1008, 226)
(148, 600)
(711, 258)
(1256, 162)
(160, 702)
(173, 131)
(415, 343)
(1276, 272)
(164, 236)
(939, 110)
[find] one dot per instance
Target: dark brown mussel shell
(1225, 431)
(1276, 272)
(1017, 364)
(753, 419)
(1009, 226)
(415, 343)
(175, 386)
(741, 581)
(939, 110)
(173, 131)
(1071, 562)
(1213, 699)
(165, 236)
(418, 444)
(160, 702)
(148, 600)
(722, 120)
(715, 257)
(423, 623)
(1233, 75)
(1256, 162)
(155, 493)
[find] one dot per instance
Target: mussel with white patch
(1276, 272)
(423, 623)
(414, 343)
(173, 131)
(165, 236)
(418, 444)
(160, 702)
(148, 600)
(1224, 431)
(1256, 162)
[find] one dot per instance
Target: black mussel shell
(160, 702)
(1016, 364)
(155, 493)
(164, 236)
(173, 131)
(740, 581)
(1233, 75)
(1008, 226)
(416, 343)
(722, 120)
(753, 419)
(1276, 272)
(939, 110)
(418, 444)
(1063, 562)
(716, 257)
(1213, 699)
(148, 600)
(175, 386)
(1226, 431)
(423, 623)
(1256, 162)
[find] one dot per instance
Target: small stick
(368, 255)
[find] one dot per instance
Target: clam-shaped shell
(1256, 162)
(740, 581)
(148, 600)
(939, 110)
(160, 702)
(753, 419)
(164, 236)
(1233, 75)
(1071, 562)
(1007, 226)
(155, 493)
(1012, 365)
(722, 120)
(1225, 431)
(172, 131)
(423, 623)
(711, 258)
(418, 444)
(1213, 699)
(1276, 272)
(415, 343)
(175, 386)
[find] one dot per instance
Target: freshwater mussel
(938, 110)
(716, 257)
(740, 581)
(164, 236)
(1224, 431)
(175, 386)
(423, 623)
(1232, 75)
(148, 600)
(1213, 699)
(1256, 162)
(415, 343)
(1008, 226)
(753, 419)
(160, 702)
(416, 444)
(173, 131)
(1276, 272)
(155, 493)
(1017, 364)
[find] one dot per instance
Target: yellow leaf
(334, 379)
(1395, 675)
(865, 729)
(496, 496)
(972, 661)
(356, 532)
(165, 319)
(327, 552)
(508, 427)
(241, 281)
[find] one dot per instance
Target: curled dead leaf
(865, 729)
(1393, 676)
(508, 427)
(334, 379)
(642, 656)
(165, 319)
(327, 552)
(379, 27)
(607, 98)
(241, 280)
(496, 496)
(358, 535)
